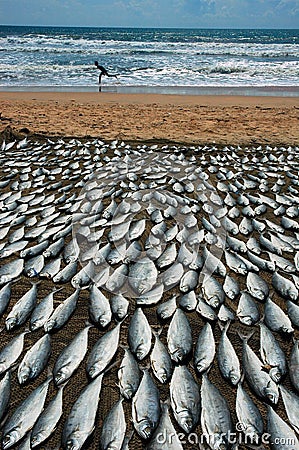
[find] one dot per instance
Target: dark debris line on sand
(180, 210)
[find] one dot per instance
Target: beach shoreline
(187, 119)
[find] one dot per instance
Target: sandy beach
(223, 120)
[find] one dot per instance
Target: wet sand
(197, 119)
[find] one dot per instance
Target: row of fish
(195, 234)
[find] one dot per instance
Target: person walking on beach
(104, 72)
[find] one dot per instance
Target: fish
(228, 360)
(5, 295)
(172, 276)
(80, 422)
(165, 436)
(151, 297)
(291, 404)
(22, 309)
(276, 319)
(205, 349)
(185, 398)
(114, 427)
(188, 301)
(119, 306)
(282, 436)
(179, 337)
(231, 287)
(51, 268)
(117, 279)
(62, 313)
(35, 360)
(257, 287)
(71, 357)
(99, 307)
(11, 271)
(34, 266)
(103, 352)
(47, 421)
(284, 287)
(249, 416)
(5, 388)
(216, 423)
(167, 309)
(139, 335)
(143, 275)
(129, 375)
(247, 311)
(160, 361)
(272, 354)
(24, 416)
(189, 281)
(260, 381)
(293, 365)
(212, 291)
(42, 312)
(146, 409)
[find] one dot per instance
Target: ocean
(179, 60)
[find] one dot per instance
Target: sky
(152, 13)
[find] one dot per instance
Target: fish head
(36, 324)
(287, 329)
(37, 439)
(23, 374)
(61, 376)
(177, 355)
(186, 421)
(128, 392)
(275, 374)
(234, 377)
(162, 375)
(141, 352)
(73, 443)
(49, 325)
(11, 323)
(145, 429)
(271, 392)
(201, 365)
(10, 438)
(93, 372)
(247, 320)
(31, 272)
(104, 321)
(4, 279)
(214, 301)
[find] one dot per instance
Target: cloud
(153, 13)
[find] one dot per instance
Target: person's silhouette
(104, 72)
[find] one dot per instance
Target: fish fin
(224, 327)
(245, 337)
(158, 332)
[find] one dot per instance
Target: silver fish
(276, 319)
(71, 357)
(212, 291)
(22, 309)
(81, 420)
(35, 250)
(35, 360)
(99, 307)
(272, 355)
(143, 276)
(24, 416)
(146, 409)
(205, 310)
(42, 312)
(114, 428)
(204, 351)
(231, 287)
(216, 422)
(291, 404)
(47, 421)
(165, 436)
(103, 351)
(11, 270)
(228, 360)
(62, 313)
(160, 361)
(117, 279)
(119, 306)
(5, 387)
(249, 416)
(247, 311)
(139, 335)
(293, 312)
(189, 281)
(185, 398)
(65, 274)
(179, 337)
(259, 380)
(128, 375)
(284, 287)
(51, 269)
(5, 294)
(167, 309)
(188, 301)
(256, 286)
(34, 266)
(293, 365)
(282, 435)
(172, 276)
